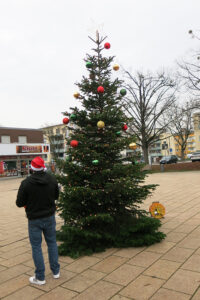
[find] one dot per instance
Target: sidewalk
(169, 270)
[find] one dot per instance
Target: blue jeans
(47, 226)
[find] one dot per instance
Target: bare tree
(190, 70)
(180, 124)
(148, 99)
(191, 74)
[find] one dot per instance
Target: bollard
(162, 168)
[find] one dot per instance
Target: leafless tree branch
(149, 97)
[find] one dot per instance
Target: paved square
(169, 270)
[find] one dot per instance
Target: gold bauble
(133, 146)
(76, 95)
(116, 67)
(100, 124)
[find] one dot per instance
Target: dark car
(170, 159)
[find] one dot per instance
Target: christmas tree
(102, 190)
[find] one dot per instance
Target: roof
(50, 126)
(16, 128)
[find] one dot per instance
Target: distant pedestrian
(37, 193)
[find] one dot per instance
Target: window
(49, 132)
(22, 139)
(5, 139)
(57, 130)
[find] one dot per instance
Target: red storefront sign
(29, 149)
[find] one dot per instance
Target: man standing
(37, 193)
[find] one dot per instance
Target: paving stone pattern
(169, 270)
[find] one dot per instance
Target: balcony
(62, 150)
(57, 142)
(155, 149)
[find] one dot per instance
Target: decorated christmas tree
(101, 189)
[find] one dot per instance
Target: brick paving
(169, 270)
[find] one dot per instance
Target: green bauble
(95, 162)
(88, 65)
(123, 92)
(73, 117)
(118, 133)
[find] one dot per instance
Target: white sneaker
(56, 276)
(33, 280)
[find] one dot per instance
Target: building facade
(196, 122)
(190, 146)
(56, 136)
(18, 146)
(155, 151)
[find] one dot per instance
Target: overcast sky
(43, 44)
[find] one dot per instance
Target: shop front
(8, 166)
(17, 163)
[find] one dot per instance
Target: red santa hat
(37, 164)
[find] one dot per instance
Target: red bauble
(65, 121)
(124, 127)
(74, 143)
(107, 45)
(100, 89)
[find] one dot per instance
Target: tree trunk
(182, 154)
(145, 153)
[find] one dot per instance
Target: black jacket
(38, 193)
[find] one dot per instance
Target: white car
(190, 154)
(195, 156)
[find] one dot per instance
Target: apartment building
(193, 141)
(196, 122)
(190, 147)
(155, 151)
(56, 136)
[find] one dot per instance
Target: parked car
(170, 159)
(195, 156)
(190, 154)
